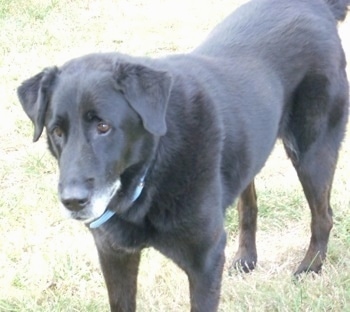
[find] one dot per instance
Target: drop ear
(33, 94)
(147, 91)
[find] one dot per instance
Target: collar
(109, 214)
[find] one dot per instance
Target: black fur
(199, 127)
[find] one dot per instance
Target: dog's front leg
(120, 273)
(205, 275)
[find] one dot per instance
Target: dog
(151, 152)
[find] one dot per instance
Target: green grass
(48, 263)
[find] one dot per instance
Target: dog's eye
(57, 131)
(103, 127)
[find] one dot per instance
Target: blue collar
(109, 214)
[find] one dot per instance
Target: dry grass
(50, 264)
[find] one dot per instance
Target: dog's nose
(75, 198)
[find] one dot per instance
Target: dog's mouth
(100, 207)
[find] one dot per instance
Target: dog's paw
(315, 268)
(243, 264)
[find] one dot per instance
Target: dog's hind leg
(315, 130)
(246, 256)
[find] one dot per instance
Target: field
(48, 263)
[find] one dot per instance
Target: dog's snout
(75, 198)
(75, 204)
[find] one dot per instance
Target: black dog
(152, 151)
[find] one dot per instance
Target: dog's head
(103, 118)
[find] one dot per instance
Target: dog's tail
(339, 8)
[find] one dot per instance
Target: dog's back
(282, 31)
(275, 18)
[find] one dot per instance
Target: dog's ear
(34, 97)
(147, 91)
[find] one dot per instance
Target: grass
(50, 264)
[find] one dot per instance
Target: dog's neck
(109, 213)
